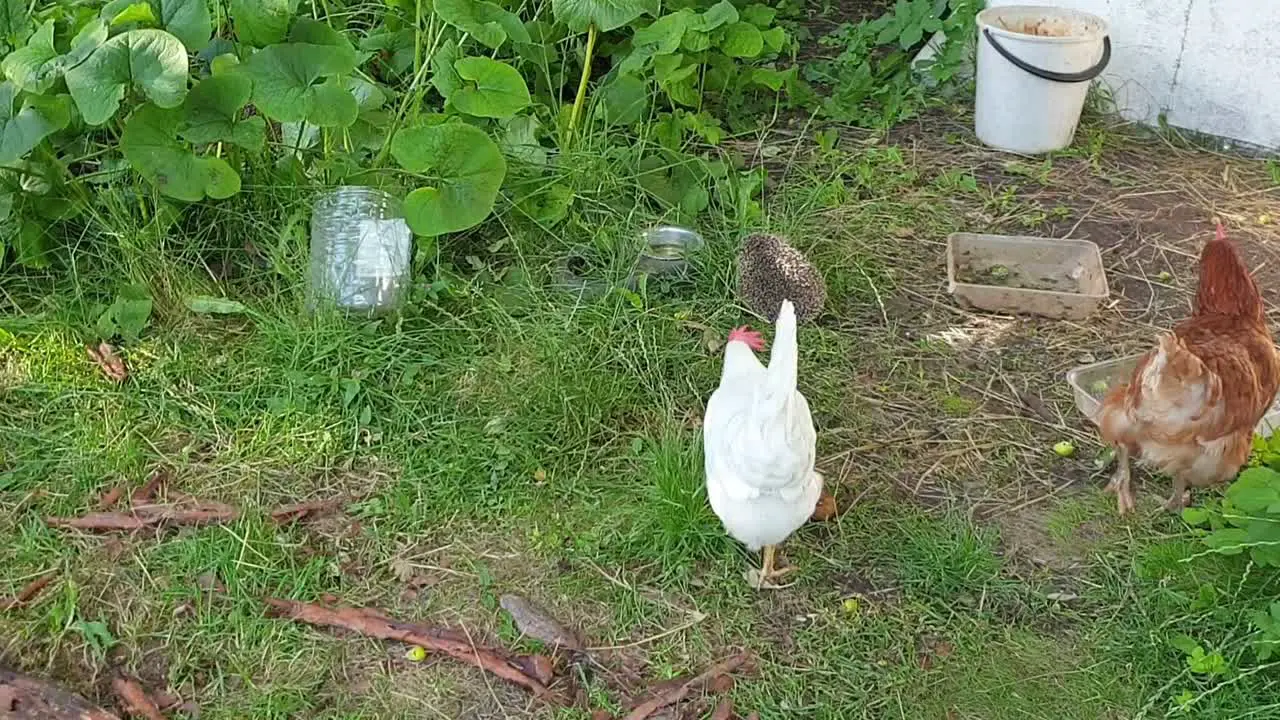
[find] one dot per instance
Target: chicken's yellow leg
(1121, 483)
(766, 569)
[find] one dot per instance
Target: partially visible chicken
(1192, 403)
(760, 444)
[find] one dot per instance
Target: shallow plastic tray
(1119, 370)
(1061, 279)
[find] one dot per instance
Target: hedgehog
(770, 271)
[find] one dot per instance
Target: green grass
(505, 435)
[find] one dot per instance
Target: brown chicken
(1191, 405)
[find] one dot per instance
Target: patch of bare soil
(963, 409)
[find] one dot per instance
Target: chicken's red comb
(751, 338)
(1222, 232)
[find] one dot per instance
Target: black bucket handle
(1075, 77)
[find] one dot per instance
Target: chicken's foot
(763, 578)
(1180, 498)
(1121, 483)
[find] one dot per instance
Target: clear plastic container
(1090, 383)
(1061, 279)
(361, 251)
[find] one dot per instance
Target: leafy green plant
(872, 81)
(128, 314)
(447, 102)
(1247, 519)
(1267, 622)
(96, 635)
(1200, 661)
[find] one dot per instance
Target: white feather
(759, 443)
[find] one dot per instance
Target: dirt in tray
(974, 273)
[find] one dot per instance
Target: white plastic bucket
(1034, 68)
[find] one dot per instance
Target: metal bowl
(667, 249)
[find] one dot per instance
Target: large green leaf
(152, 61)
(36, 66)
(665, 33)
(335, 105)
(624, 100)
(678, 78)
(762, 16)
(775, 39)
(489, 23)
(443, 77)
(212, 113)
(287, 83)
(742, 40)
(21, 131)
(128, 314)
(262, 22)
(15, 21)
(606, 15)
(722, 13)
(209, 305)
(490, 88)
(466, 169)
(1256, 491)
(677, 181)
(1264, 541)
(31, 244)
(314, 32)
(549, 205)
(187, 20)
(543, 48)
(29, 66)
(149, 142)
(128, 12)
(520, 141)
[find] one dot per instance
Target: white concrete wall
(1208, 65)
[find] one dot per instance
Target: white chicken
(760, 445)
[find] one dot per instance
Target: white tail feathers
(784, 357)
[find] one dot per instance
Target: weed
(385, 96)
(872, 82)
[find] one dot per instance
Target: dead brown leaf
(110, 498)
(111, 364)
(147, 493)
(723, 711)
(931, 649)
(721, 684)
(136, 700)
(308, 510)
(27, 593)
(537, 666)
(538, 624)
